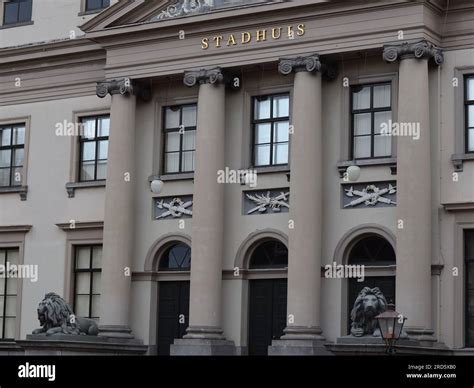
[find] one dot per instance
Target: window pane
(172, 117)
(13, 256)
(361, 100)
(1, 326)
(470, 88)
(11, 305)
(11, 13)
(19, 135)
(25, 11)
(189, 116)
(83, 257)
(382, 96)
(83, 283)
(381, 118)
(2, 288)
(95, 306)
(172, 162)
(382, 145)
(104, 126)
(281, 106)
(5, 136)
(262, 108)
(5, 158)
(82, 306)
(87, 171)
(88, 128)
(103, 149)
(470, 115)
(281, 132)
(18, 157)
(96, 276)
(96, 257)
(470, 144)
(88, 150)
(172, 141)
(10, 327)
(262, 155)
(4, 177)
(263, 133)
(280, 153)
(93, 4)
(188, 161)
(12, 286)
(101, 170)
(362, 147)
(189, 140)
(362, 124)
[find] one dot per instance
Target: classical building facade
(226, 177)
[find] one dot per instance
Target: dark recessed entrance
(173, 298)
(267, 298)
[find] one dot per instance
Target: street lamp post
(391, 325)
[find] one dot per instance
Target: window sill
(72, 186)
(459, 159)
(389, 162)
(22, 24)
(22, 190)
(172, 177)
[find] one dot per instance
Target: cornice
(15, 228)
(66, 226)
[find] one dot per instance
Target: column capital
(203, 76)
(308, 63)
(420, 50)
(123, 86)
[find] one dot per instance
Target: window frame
(96, 140)
(90, 270)
(4, 295)
(86, 3)
(372, 112)
(165, 130)
(13, 147)
(467, 104)
(272, 121)
(17, 22)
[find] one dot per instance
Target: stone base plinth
(298, 347)
(202, 347)
(79, 345)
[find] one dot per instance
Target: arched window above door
(177, 257)
(269, 254)
(372, 251)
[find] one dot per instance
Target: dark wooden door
(173, 314)
(469, 253)
(386, 284)
(267, 313)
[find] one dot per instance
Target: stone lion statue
(57, 317)
(369, 303)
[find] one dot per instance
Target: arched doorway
(173, 295)
(267, 295)
(377, 256)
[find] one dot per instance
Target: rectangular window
(94, 144)
(8, 294)
(17, 11)
(371, 110)
(94, 5)
(179, 138)
(271, 121)
(469, 106)
(87, 276)
(12, 153)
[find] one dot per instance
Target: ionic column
(118, 218)
(303, 334)
(414, 203)
(204, 334)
